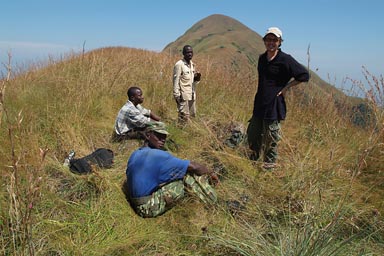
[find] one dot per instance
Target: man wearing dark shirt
(278, 72)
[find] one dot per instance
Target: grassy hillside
(325, 199)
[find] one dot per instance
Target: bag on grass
(102, 157)
(237, 135)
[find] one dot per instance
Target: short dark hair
(132, 91)
(185, 48)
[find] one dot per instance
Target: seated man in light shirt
(132, 117)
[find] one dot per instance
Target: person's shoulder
(179, 62)
(154, 150)
(139, 106)
(141, 150)
(132, 109)
(134, 154)
(162, 152)
(285, 55)
(127, 104)
(263, 55)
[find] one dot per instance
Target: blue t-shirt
(148, 168)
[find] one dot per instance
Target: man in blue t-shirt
(278, 72)
(156, 180)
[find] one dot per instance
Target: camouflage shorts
(165, 198)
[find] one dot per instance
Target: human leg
(160, 201)
(273, 136)
(115, 137)
(165, 198)
(183, 111)
(199, 185)
(255, 136)
(133, 134)
(192, 108)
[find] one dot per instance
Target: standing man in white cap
(278, 72)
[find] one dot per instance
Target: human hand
(197, 77)
(178, 99)
(214, 178)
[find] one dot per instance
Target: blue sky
(343, 35)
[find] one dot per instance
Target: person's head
(273, 38)
(135, 95)
(156, 134)
(187, 52)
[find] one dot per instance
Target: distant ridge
(223, 39)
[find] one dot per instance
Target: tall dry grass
(324, 200)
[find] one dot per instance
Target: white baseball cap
(274, 30)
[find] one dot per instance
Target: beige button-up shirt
(183, 85)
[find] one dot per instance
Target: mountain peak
(217, 23)
(223, 39)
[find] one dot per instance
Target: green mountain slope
(223, 39)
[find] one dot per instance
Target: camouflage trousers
(166, 197)
(263, 136)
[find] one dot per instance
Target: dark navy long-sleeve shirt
(273, 77)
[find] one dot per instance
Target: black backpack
(102, 157)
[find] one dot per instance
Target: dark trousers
(263, 137)
(132, 134)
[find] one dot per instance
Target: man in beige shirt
(185, 79)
